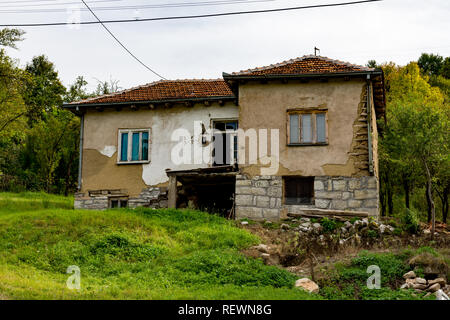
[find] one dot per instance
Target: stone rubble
(423, 285)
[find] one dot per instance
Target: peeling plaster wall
(100, 169)
(265, 106)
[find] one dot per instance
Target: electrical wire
(151, 6)
(186, 17)
(122, 45)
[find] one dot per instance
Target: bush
(410, 221)
(328, 225)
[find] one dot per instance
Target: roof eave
(76, 106)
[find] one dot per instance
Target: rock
(306, 225)
(244, 223)
(307, 284)
(347, 224)
(427, 295)
(265, 255)
(409, 275)
(433, 288)
(418, 286)
(343, 230)
(410, 281)
(382, 228)
(262, 248)
(442, 282)
(390, 229)
(426, 231)
(365, 221)
(420, 281)
(305, 220)
(404, 286)
(317, 226)
(284, 226)
(268, 222)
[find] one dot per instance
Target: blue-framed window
(134, 145)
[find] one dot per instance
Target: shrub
(410, 221)
(328, 225)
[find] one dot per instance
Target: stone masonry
(260, 197)
(153, 197)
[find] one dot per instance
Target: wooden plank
(172, 196)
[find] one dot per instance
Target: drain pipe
(80, 160)
(369, 123)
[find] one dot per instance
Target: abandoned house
(260, 143)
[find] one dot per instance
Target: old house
(259, 143)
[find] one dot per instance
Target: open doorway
(224, 142)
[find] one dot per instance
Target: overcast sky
(391, 30)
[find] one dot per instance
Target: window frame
(313, 112)
(286, 180)
(130, 146)
(120, 200)
(233, 134)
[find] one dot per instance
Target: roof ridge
(150, 84)
(310, 56)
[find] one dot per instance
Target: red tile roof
(303, 65)
(166, 90)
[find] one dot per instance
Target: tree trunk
(445, 204)
(390, 200)
(430, 199)
(428, 203)
(406, 189)
(382, 197)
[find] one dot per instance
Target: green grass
(129, 254)
(348, 281)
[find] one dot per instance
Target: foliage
(129, 254)
(329, 225)
(410, 221)
(9, 37)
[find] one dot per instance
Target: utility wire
(121, 44)
(187, 17)
(19, 9)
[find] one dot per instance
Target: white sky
(391, 30)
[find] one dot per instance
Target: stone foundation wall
(260, 197)
(154, 197)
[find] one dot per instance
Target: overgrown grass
(349, 281)
(129, 254)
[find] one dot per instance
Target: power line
(18, 9)
(188, 17)
(121, 44)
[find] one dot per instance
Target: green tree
(430, 64)
(46, 91)
(9, 37)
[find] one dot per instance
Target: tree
(372, 64)
(9, 37)
(445, 69)
(46, 91)
(77, 91)
(430, 64)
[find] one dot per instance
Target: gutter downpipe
(369, 123)
(81, 149)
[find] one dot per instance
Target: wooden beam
(172, 192)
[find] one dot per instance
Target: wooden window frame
(313, 112)
(233, 133)
(119, 200)
(130, 146)
(284, 193)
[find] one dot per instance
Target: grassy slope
(128, 254)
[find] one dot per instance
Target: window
(225, 142)
(134, 146)
(118, 202)
(307, 128)
(298, 190)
